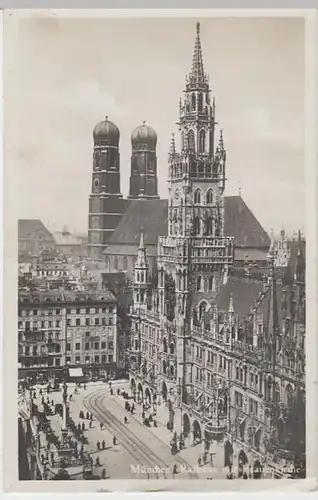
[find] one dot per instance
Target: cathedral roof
(244, 292)
(240, 222)
(151, 214)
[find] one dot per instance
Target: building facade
(34, 238)
(58, 330)
(224, 352)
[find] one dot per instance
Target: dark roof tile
(33, 228)
(152, 215)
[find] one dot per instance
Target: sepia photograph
(156, 176)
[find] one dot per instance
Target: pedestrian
(79, 427)
(71, 397)
(87, 415)
(103, 444)
(83, 427)
(98, 445)
(40, 392)
(90, 424)
(118, 392)
(114, 440)
(85, 387)
(111, 392)
(175, 469)
(104, 474)
(34, 395)
(52, 402)
(101, 426)
(97, 463)
(199, 461)
(125, 420)
(48, 401)
(143, 415)
(91, 417)
(42, 400)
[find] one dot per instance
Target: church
(115, 223)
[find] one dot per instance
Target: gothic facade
(225, 353)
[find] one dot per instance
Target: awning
(75, 372)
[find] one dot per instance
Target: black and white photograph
(156, 176)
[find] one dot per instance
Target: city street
(140, 452)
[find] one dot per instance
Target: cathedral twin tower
(106, 203)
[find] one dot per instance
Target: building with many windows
(58, 329)
(223, 349)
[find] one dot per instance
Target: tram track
(143, 455)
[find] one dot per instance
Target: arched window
(209, 226)
(191, 140)
(116, 263)
(196, 226)
(142, 277)
(202, 309)
(199, 283)
(200, 102)
(202, 141)
(125, 263)
(138, 276)
(193, 102)
(182, 140)
(209, 197)
(211, 283)
(197, 197)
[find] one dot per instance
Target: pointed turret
(141, 275)
(221, 141)
(273, 317)
(197, 76)
(231, 304)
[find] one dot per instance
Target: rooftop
(33, 229)
(41, 297)
(152, 215)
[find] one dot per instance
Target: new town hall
(217, 340)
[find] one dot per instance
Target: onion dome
(144, 135)
(106, 132)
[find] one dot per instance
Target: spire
(141, 262)
(231, 305)
(299, 272)
(273, 307)
(141, 244)
(197, 75)
(221, 141)
(172, 145)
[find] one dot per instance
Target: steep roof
(295, 246)
(244, 291)
(240, 222)
(152, 215)
(33, 229)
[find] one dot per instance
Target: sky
(70, 73)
